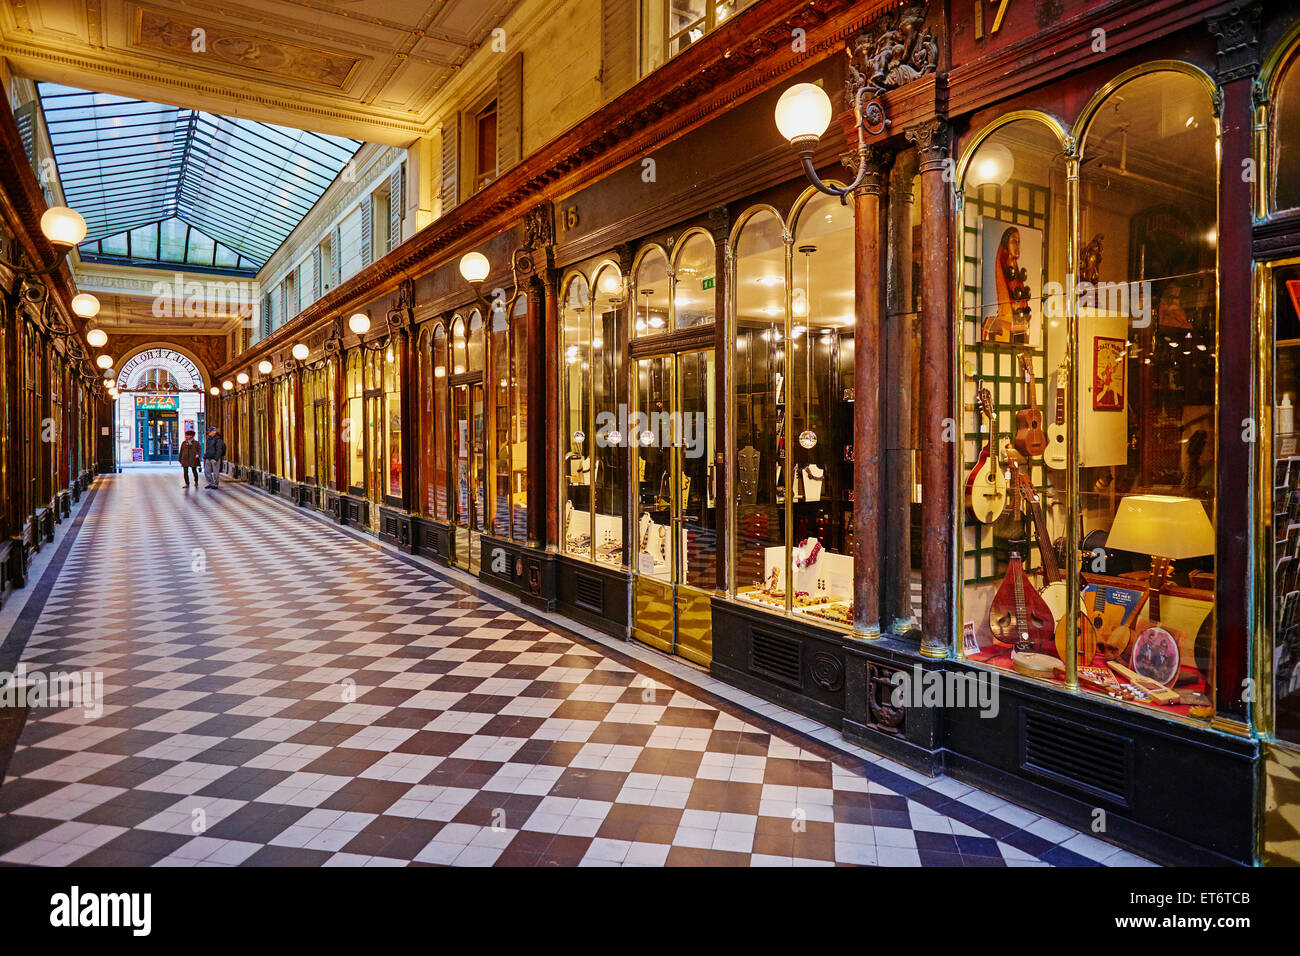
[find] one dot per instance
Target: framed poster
(1011, 280)
(1108, 374)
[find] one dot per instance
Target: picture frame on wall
(1108, 374)
(1011, 282)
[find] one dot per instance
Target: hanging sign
(170, 403)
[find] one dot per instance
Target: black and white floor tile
(278, 692)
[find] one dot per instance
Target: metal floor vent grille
(777, 657)
(1089, 759)
(589, 593)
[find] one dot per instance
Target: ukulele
(1018, 615)
(1030, 440)
(986, 485)
(1054, 454)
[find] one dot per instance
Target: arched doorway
(161, 397)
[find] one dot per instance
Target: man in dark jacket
(191, 452)
(213, 452)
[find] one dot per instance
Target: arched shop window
(354, 424)
(428, 444)
(476, 347)
(793, 360)
(392, 413)
(286, 427)
(438, 490)
(1284, 143)
(594, 465)
(575, 382)
(651, 291)
(459, 359)
(519, 345)
(761, 297)
(376, 481)
(694, 277)
(1100, 375)
(507, 334)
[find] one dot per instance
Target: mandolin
(1030, 439)
(1018, 615)
(986, 485)
(1054, 454)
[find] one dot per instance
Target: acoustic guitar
(1054, 453)
(986, 485)
(1018, 615)
(1054, 590)
(1030, 438)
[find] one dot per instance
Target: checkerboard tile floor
(278, 693)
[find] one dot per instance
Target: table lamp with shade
(1167, 527)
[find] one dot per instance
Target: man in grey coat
(214, 450)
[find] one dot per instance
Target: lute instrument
(1018, 615)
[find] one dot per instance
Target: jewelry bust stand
(813, 478)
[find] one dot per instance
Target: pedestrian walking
(191, 454)
(213, 453)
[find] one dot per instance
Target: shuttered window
(510, 114)
(396, 204)
(618, 46)
(450, 191)
(367, 231)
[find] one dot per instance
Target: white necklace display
(813, 477)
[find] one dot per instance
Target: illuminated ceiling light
(96, 338)
(803, 112)
(104, 361)
(227, 385)
(474, 266)
(610, 283)
(85, 305)
(992, 167)
(214, 390)
(242, 378)
(300, 351)
(63, 226)
(109, 383)
(264, 367)
(359, 323)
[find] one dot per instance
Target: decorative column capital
(876, 161)
(931, 141)
(1236, 32)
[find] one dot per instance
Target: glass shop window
(354, 424)
(594, 466)
(310, 377)
(1284, 124)
(652, 293)
(1140, 300)
(508, 333)
(793, 399)
(393, 422)
(375, 426)
(694, 281)
(438, 490)
(518, 433)
(1283, 288)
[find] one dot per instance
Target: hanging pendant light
(807, 437)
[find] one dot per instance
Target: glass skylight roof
(163, 184)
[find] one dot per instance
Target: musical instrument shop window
(1088, 396)
(792, 399)
(508, 352)
(594, 404)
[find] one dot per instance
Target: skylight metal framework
(195, 187)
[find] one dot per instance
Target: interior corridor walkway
(280, 692)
